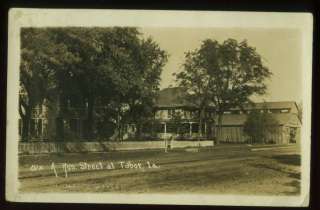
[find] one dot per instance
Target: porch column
(190, 129)
(165, 129)
(42, 130)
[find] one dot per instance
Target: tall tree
(111, 69)
(240, 75)
(196, 81)
(223, 75)
(149, 63)
(39, 62)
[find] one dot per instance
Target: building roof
(174, 97)
(287, 119)
(270, 105)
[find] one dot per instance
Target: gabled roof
(288, 119)
(172, 97)
(175, 97)
(270, 105)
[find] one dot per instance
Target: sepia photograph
(159, 107)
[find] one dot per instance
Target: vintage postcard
(159, 107)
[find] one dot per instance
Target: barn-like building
(171, 101)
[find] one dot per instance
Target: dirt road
(236, 169)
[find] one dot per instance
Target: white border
(143, 18)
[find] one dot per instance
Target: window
(158, 114)
(184, 128)
(195, 127)
(74, 125)
(171, 112)
(186, 114)
(159, 127)
(171, 128)
(193, 114)
(32, 127)
(39, 128)
(36, 128)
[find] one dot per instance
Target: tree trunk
(119, 125)
(200, 125)
(120, 132)
(26, 126)
(139, 130)
(152, 129)
(59, 119)
(219, 130)
(90, 118)
(59, 129)
(212, 132)
(25, 118)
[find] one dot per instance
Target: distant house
(171, 100)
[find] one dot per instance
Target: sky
(279, 48)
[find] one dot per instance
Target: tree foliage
(113, 70)
(223, 75)
(195, 80)
(300, 111)
(259, 126)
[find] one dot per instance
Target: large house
(174, 115)
(171, 101)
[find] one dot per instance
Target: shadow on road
(292, 159)
(296, 186)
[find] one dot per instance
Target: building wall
(280, 135)
(44, 124)
(233, 134)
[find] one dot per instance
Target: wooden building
(171, 101)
